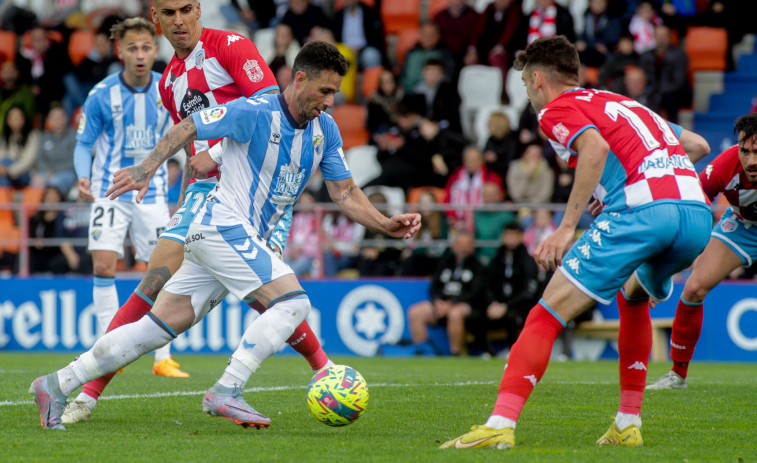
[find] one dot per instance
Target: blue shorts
(194, 198)
(736, 235)
(655, 242)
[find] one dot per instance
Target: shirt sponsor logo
(659, 163)
(139, 139)
(252, 68)
(288, 184)
(560, 132)
(193, 101)
(195, 237)
(212, 115)
(232, 38)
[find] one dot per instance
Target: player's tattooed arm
(186, 175)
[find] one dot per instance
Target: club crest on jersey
(728, 225)
(211, 115)
(318, 144)
(174, 222)
(200, 59)
(96, 234)
(252, 68)
(560, 132)
(288, 184)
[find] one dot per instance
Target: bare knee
(694, 291)
(458, 312)
(104, 266)
(420, 313)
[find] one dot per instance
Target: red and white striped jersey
(222, 67)
(646, 162)
(725, 174)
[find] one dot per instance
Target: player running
(274, 144)
(733, 243)
(633, 162)
(209, 67)
(121, 121)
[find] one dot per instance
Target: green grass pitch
(414, 405)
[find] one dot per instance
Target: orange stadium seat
(6, 215)
(339, 4)
(9, 233)
(414, 194)
(351, 122)
(371, 80)
(400, 15)
(435, 6)
(79, 45)
(32, 198)
(706, 48)
(406, 40)
(8, 45)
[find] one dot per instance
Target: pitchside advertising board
(350, 318)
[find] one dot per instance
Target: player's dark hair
(746, 124)
(318, 56)
(554, 54)
(137, 24)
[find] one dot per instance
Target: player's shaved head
(555, 55)
(746, 127)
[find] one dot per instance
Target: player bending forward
(733, 243)
(637, 168)
(275, 142)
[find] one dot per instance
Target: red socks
(634, 347)
(303, 341)
(134, 309)
(687, 326)
(528, 360)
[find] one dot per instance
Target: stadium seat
(591, 75)
(516, 91)
(406, 40)
(339, 4)
(9, 233)
(414, 194)
(395, 197)
(480, 5)
(79, 45)
(6, 215)
(371, 80)
(706, 48)
(8, 45)
(478, 86)
(363, 163)
(32, 198)
(435, 6)
(400, 15)
(351, 122)
(481, 121)
(263, 40)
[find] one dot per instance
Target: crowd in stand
(425, 149)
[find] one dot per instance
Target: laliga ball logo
(337, 396)
(368, 316)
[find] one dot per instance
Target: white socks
(328, 364)
(265, 336)
(500, 422)
(624, 420)
(113, 351)
(105, 298)
(163, 353)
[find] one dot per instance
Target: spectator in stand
(377, 259)
(465, 188)
(99, 64)
(283, 51)
(512, 288)
(429, 45)
(174, 183)
(456, 293)
(501, 147)
(46, 62)
(14, 91)
(488, 225)
(548, 19)
(541, 227)
(530, 179)
(457, 26)
(383, 103)
(283, 77)
(359, 26)
(302, 16)
(497, 36)
(54, 165)
(528, 128)
(666, 67)
(343, 238)
(253, 14)
(442, 99)
(642, 26)
(421, 256)
(635, 86)
(612, 72)
(444, 147)
(18, 149)
(302, 247)
(600, 35)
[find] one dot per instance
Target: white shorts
(110, 220)
(218, 260)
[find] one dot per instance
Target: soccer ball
(337, 396)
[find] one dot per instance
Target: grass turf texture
(414, 405)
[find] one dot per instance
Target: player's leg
(104, 293)
(456, 327)
(419, 316)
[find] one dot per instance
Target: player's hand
(549, 253)
(403, 225)
(595, 208)
(200, 164)
(128, 179)
(84, 190)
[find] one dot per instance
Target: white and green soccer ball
(337, 396)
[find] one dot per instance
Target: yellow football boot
(481, 437)
(168, 367)
(630, 436)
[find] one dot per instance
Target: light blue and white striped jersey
(124, 124)
(267, 160)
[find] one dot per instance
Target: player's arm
(592, 154)
(694, 145)
(356, 206)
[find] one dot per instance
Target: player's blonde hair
(138, 24)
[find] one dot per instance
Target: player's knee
(104, 269)
(694, 291)
(419, 313)
(296, 303)
(458, 312)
